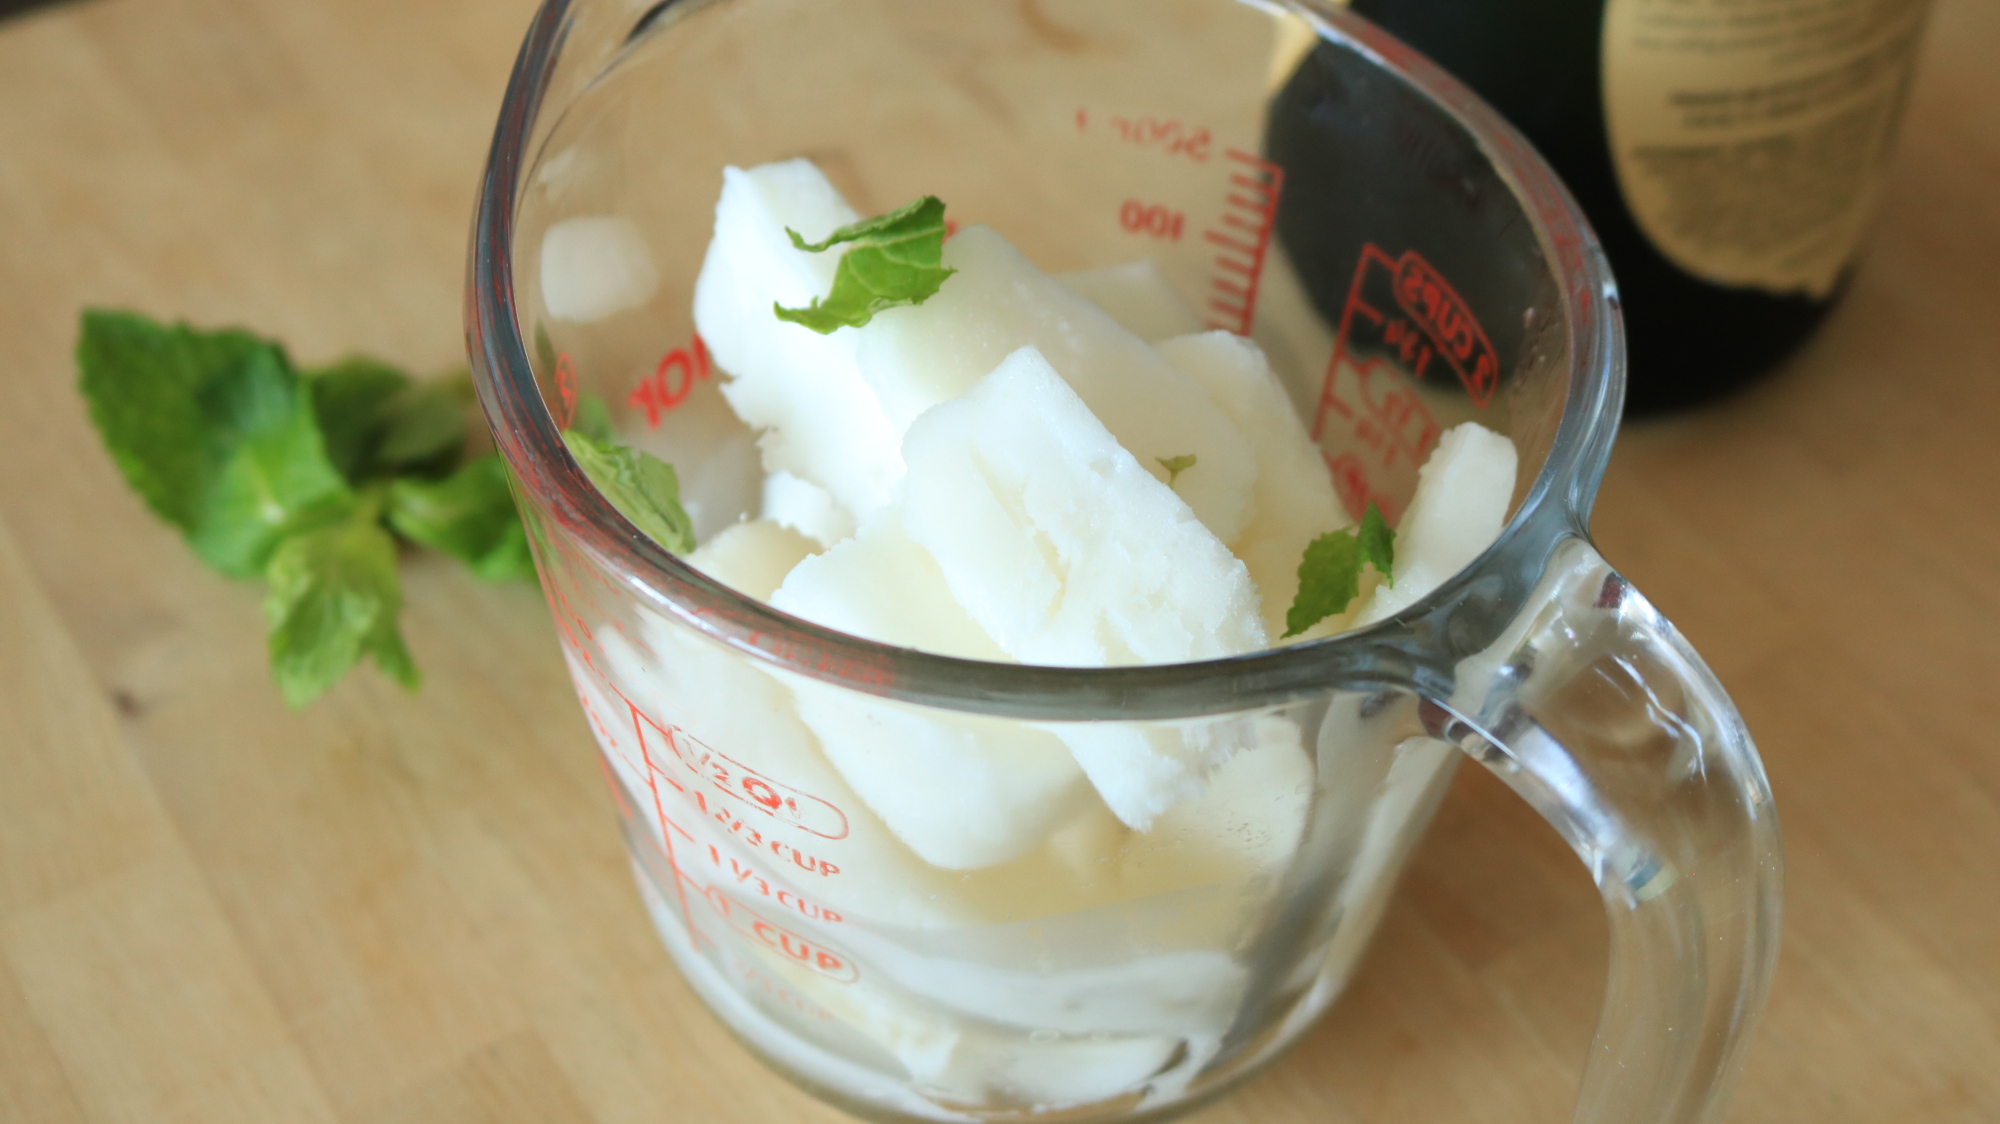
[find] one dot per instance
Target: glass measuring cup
(1404, 260)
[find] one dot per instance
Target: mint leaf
(423, 426)
(1377, 542)
(593, 417)
(896, 259)
(1175, 466)
(334, 598)
(350, 399)
(143, 384)
(276, 482)
(1330, 572)
(211, 429)
(377, 421)
(642, 487)
(469, 515)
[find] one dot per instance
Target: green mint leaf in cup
(1377, 542)
(642, 487)
(1175, 466)
(469, 515)
(333, 598)
(212, 429)
(1330, 572)
(895, 259)
(593, 418)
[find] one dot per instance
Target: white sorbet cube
(1067, 553)
(1074, 868)
(1293, 496)
(918, 357)
(821, 421)
(962, 791)
(794, 1034)
(1063, 548)
(1247, 822)
(805, 507)
(1142, 769)
(752, 558)
(595, 266)
(924, 1045)
(1137, 297)
(1061, 1073)
(1087, 982)
(1463, 493)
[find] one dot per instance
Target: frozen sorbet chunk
(752, 558)
(998, 302)
(1463, 492)
(1293, 496)
(1054, 538)
(805, 507)
(1246, 822)
(1142, 769)
(1138, 298)
(803, 389)
(1067, 553)
(962, 791)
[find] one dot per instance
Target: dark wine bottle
(1727, 153)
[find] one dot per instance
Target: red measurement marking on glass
(742, 783)
(1401, 315)
(674, 739)
(566, 388)
(744, 875)
(570, 624)
(1243, 236)
(667, 828)
(1175, 138)
(1152, 219)
(656, 773)
(780, 850)
(1436, 308)
(671, 382)
(810, 953)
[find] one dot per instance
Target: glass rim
(1398, 652)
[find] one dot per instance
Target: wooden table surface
(390, 908)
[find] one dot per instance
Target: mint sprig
(333, 597)
(1330, 572)
(305, 478)
(895, 259)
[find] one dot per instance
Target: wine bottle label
(1749, 135)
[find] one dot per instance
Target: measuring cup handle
(1594, 710)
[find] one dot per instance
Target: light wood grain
(388, 910)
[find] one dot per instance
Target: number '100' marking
(1140, 217)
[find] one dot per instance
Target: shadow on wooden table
(17, 7)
